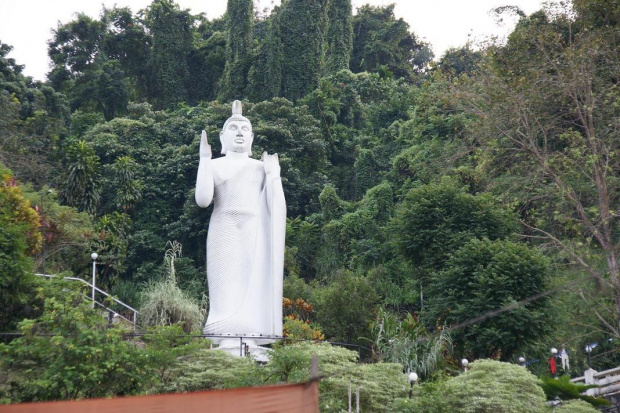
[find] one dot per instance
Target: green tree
(339, 36)
(332, 207)
(365, 172)
(266, 72)
(19, 238)
(99, 64)
(172, 41)
(301, 25)
(75, 47)
(126, 42)
(206, 64)
(32, 118)
(83, 185)
(165, 347)
(110, 242)
(487, 293)
(128, 188)
(70, 352)
(382, 42)
(110, 89)
(344, 308)
(458, 61)
(548, 105)
(239, 15)
(435, 220)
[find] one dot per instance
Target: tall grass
(164, 303)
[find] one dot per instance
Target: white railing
(135, 312)
(608, 381)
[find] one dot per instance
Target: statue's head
(236, 135)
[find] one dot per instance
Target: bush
(575, 406)
(379, 383)
(70, 352)
(564, 389)
(19, 238)
(165, 346)
(165, 304)
(210, 370)
(488, 386)
(344, 308)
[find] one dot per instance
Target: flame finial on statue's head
(236, 108)
(236, 114)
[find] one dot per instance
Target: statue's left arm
(273, 184)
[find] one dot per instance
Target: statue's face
(237, 137)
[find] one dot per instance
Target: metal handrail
(135, 312)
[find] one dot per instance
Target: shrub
(212, 369)
(164, 303)
(488, 386)
(379, 383)
(70, 352)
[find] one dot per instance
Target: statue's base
(245, 348)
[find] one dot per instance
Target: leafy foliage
(19, 237)
(239, 14)
(481, 278)
(83, 185)
(345, 307)
(339, 36)
(487, 386)
(564, 389)
(379, 383)
(170, 28)
(70, 353)
(301, 27)
(211, 370)
(382, 41)
(435, 219)
(405, 187)
(407, 343)
(165, 346)
(164, 303)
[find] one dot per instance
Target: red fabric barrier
(303, 398)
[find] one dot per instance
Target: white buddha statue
(245, 244)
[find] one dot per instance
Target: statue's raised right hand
(205, 148)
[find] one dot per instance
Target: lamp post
(465, 363)
(588, 351)
(413, 377)
(522, 361)
(94, 256)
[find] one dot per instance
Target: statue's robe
(245, 257)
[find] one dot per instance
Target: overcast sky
(27, 24)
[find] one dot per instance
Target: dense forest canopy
(474, 197)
